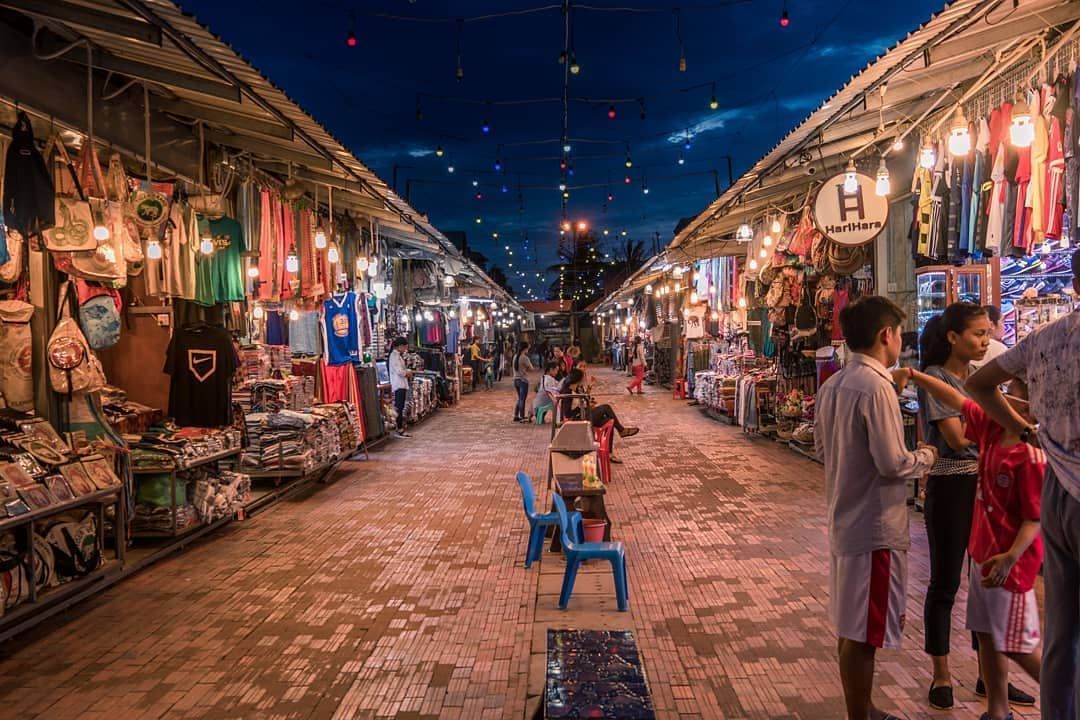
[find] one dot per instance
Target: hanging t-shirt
(201, 360)
(228, 272)
(304, 334)
(342, 341)
(204, 279)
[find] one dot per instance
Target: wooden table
(588, 501)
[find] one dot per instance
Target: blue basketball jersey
(339, 314)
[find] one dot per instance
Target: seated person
(547, 387)
(599, 415)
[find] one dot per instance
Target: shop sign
(850, 218)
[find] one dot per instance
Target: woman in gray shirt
(949, 344)
(521, 367)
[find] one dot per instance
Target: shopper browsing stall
(637, 365)
(522, 366)
(1005, 548)
(546, 388)
(949, 344)
(399, 382)
(1046, 361)
(860, 438)
(477, 360)
(996, 329)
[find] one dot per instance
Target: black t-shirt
(201, 360)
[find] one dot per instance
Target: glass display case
(1047, 274)
(939, 286)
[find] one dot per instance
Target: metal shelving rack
(172, 470)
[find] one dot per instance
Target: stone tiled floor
(398, 591)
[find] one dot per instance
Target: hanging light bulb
(713, 103)
(469, 313)
(253, 272)
(485, 127)
(350, 39)
(1021, 129)
(294, 315)
(682, 63)
(959, 135)
(884, 187)
(744, 233)
(714, 315)
(693, 297)
(681, 160)
(292, 263)
(629, 163)
(153, 250)
(453, 313)
(439, 152)
(418, 317)
(648, 289)
(388, 289)
(373, 263)
(763, 253)
(686, 312)
(898, 144)
(611, 112)
(767, 241)
(206, 245)
(101, 232)
(742, 302)
(785, 19)
(776, 227)
(450, 169)
(562, 187)
(927, 156)
(258, 312)
(362, 263)
(644, 189)
(320, 239)
(752, 264)
(332, 255)
(575, 69)
(851, 178)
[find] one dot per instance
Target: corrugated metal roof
(193, 50)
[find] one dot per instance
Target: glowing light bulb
(714, 315)
(258, 313)
(648, 289)
(851, 178)
(101, 233)
(884, 186)
(362, 263)
(767, 241)
(153, 250)
(389, 289)
(763, 253)
(428, 316)
(713, 103)
(927, 156)
(744, 232)
(686, 312)
(742, 302)
(898, 144)
(1021, 129)
(439, 152)
(320, 239)
(959, 135)
(418, 317)
(294, 314)
(292, 263)
(253, 272)
(752, 264)
(776, 228)
(332, 255)
(694, 297)
(206, 245)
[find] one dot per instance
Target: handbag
(99, 315)
(74, 220)
(73, 367)
(846, 259)
(11, 271)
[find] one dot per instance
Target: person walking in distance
(637, 365)
(859, 437)
(522, 366)
(399, 382)
(1048, 362)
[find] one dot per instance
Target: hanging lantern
(884, 186)
(153, 250)
(752, 264)
(959, 135)
(320, 239)
(714, 315)
(767, 241)
(927, 156)
(332, 255)
(1022, 128)
(258, 312)
(851, 178)
(292, 263)
(745, 233)
(742, 302)
(362, 264)
(763, 253)
(253, 272)
(294, 315)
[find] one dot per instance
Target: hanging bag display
(74, 220)
(73, 367)
(211, 205)
(11, 271)
(805, 319)
(28, 189)
(118, 192)
(99, 314)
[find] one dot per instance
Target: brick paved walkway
(398, 591)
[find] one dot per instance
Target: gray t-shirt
(523, 366)
(935, 410)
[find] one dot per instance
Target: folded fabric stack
(219, 495)
(293, 440)
(423, 399)
(715, 391)
(159, 519)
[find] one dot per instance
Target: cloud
(420, 152)
(863, 50)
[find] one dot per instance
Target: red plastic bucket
(594, 529)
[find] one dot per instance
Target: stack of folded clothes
(218, 495)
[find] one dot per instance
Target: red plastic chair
(603, 438)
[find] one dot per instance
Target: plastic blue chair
(541, 413)
(576, 552)
(538, 523)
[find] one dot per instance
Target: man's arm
(885, 434)
(941, 391)
(984, 387)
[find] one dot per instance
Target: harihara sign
(850, 218)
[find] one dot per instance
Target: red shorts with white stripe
(868, 595)
(1010, 618)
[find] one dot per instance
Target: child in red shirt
(1005, 547)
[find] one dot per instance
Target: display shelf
(223, 455)
(91, 499)
(56, 599)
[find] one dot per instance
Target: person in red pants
(637, 365)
